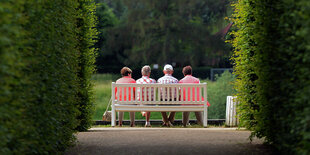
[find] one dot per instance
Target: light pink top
(125, 79)
(191, 79)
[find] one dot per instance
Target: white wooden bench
(183, 98)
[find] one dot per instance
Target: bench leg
(205, 116)
(113, 119)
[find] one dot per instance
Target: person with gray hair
(145, 79)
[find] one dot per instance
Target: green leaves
(43, 53)
(87, 35)
(270, 60)
(150, 32)
(217, 95)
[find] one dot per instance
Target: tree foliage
(272, 60)
(159, 32)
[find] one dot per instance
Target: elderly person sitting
(188, 78)
(145, 79)
(167, 79)
(126, 78)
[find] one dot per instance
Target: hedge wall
(86, 36)
(12, 121)
(272, 63)
(40, 65)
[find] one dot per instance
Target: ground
(167, 141)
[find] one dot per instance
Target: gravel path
(167, 141)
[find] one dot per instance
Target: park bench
(184, 97)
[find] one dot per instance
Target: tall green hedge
(272, 64)
(86, 36)
(12, 121)
(41, 60)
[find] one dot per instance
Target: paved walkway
(167, 141)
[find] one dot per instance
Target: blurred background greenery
(180, 32)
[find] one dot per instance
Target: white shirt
(168, 79)
(145, 80)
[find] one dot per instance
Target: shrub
(40, 80)
(272, 59)
(217, 94)
(12, 121)
(86, 36)
(52, 64)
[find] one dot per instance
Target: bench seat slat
(158, 102)
(157, 108)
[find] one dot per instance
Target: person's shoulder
(139, 80)
(152, 80)
(118, 80)
(161, 78)
(196, 79)
(175, 79)
(132, 80)
(182, 80)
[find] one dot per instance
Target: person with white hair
(145, 79)
(168, 79)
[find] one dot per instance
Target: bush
(86, 36)
(12, 121)
(217, 94)
(51, 69)
(40, 67)
(272, 60)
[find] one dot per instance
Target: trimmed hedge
(86, 36)
(12, 121)
(272, 64)
(40, 74)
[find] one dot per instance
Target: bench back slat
(131, 94)
(159, 93)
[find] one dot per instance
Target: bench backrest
(159, 93)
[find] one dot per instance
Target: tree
(167, 31)
(106, 21)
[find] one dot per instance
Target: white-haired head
(146, 70)
(168, 69)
